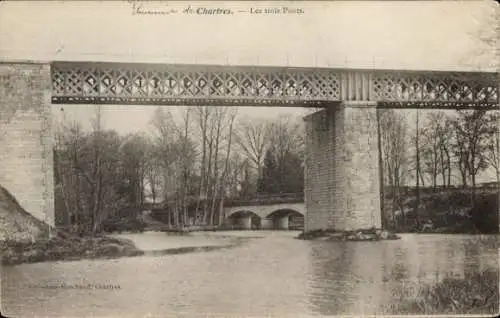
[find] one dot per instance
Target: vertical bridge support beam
(342, 186)
(266, 224)
(283, 222)
(26, 159)
(246, 222)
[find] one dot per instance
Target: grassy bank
(449, 210)
(476, 293)
(66, 247)
(25, 239)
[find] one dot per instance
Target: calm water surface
(270, 275)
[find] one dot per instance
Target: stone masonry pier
(342, 172)
(26, 164)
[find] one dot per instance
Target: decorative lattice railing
(116, 83)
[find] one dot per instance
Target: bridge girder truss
(151, 84)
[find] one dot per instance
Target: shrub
(476, 293)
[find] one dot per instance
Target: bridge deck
(154, 84)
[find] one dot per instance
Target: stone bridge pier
(26, 163)
(246, 222)
(283, 223)
(342, 186)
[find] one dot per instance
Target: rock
(360, 236)
(383, 235)
(393, 236)
(372, 237)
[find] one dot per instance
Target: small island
(372, 234)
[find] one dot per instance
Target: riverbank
(447, 211)
(460, 228)
(66, 247)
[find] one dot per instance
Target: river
(271, 274)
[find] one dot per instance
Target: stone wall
(319, 172)
(26, 164)
(342, 175)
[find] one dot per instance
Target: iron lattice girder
(118, 83)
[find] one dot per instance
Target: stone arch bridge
(342, 168)
(281, 216)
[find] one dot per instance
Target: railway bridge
(342, 169)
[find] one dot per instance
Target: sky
(380, 34)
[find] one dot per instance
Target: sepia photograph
(249, 158)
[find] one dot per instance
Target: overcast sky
(402, 34)
(367, 34)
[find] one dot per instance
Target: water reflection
(337, 271)
(271, 276)
(367, 278)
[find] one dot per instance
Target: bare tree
(284, 159)
(472, 131)
(186, 166)
(69, 138)
(223, 183)
(253, 139)
(223, 121)
(461, 153)
(95, 178)
(287, 136)
(152, 173)
(417, 169)
(203, 115)
(133, 153)
(437, 136)
(88, 168)
(493, 146)
(393, 129)
(165, 132)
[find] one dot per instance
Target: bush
(476, 293)
(437, 207)
(485, 214)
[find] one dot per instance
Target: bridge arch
(243, 219)
(282, 212)
(284, 218)
(268, 216)
(241, 212)
(265, 210)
